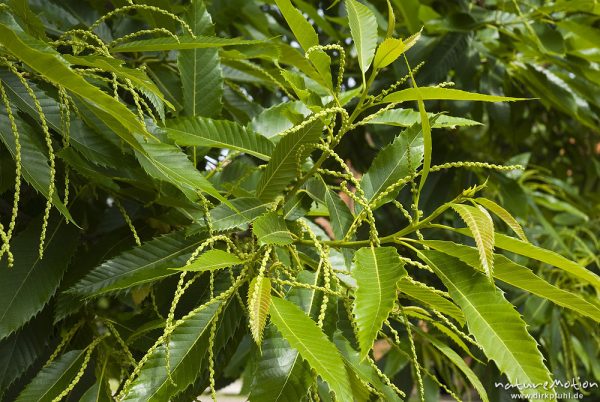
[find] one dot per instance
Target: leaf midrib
(299, 340)
(141, 267)
(499, 340)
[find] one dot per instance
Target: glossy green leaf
(340, 216)
(303, 31)
(493, 321)
(307, 38)
(22, 349)
(377, 271)
(282, 167)
(270, 228)
(34, 162)
(281, 375)
(54, 68)
(408, 117)
(457, 361)
(138, 78)
(147, 263)
(204, 132)
(32, 281)
(95, 146)
(200, 69)
(436, 93)
(212, 260)
(53, 379)
(396, 161)
(363, 26)
(181, 43)
(361, 368)
(504, 215)
(259, 301)
(167, 163)
(188, 346)
(290, 380)
(391, 48)
(304, 335)
(481, 226)
(585, 32)
(246, 210)
(549, 257)
(420, 292)
(521, 277)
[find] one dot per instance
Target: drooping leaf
(521, 277)
(248, 209)
(200, 69)
(53, 379)
(259, 301)
(270, 228)
(167, 163)
(444, 329)
(199, 131)
(146, 263)
(22, 349)
(193, 356)
(281, 375)
(291, 380)
(408, 117)
(138, 78)
(282, 167)
(95, 146)
(32, 281)
(421, 293)
(304, 335)
(188, 346)
(307, 38)
(435, 93)
(493, 321)
(481, 226)
(339, 214)
(301, 28)
(361, 368)
(181, 43)
(457, 361)
(549, 257)
(212, 260)
(46, 61)
(363, 26)
(100, 391)
(394, 162)
(584, 31)
(504, 215)
(34, 162)
(377, 272)
(427, 140)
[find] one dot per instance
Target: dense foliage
(346, 201)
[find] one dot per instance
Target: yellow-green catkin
(64, 341)
(65, 118)
(413, 351)
(211, 354)
(6, 236)
(128, 221)
(86, 360)
(142, 7)
(51, 156)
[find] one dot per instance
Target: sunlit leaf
(377, 272)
